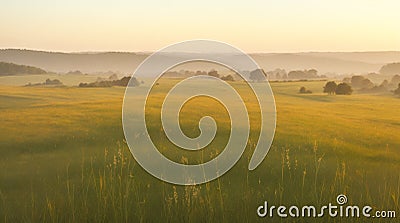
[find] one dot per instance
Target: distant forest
(12, 69)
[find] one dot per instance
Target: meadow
(64, 158)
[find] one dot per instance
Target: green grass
(64, 158)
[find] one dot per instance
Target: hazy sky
(253, 26)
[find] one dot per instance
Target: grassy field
(64, 158)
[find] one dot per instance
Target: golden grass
(64, 158)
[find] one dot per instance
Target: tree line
(362, 84)
(109, 83)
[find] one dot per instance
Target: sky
(253, 26)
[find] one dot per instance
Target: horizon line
(150, 52)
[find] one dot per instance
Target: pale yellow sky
(253, 26)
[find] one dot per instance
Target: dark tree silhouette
(397, 91)
(258, 75)
(343, 89)
(214, 73)
(106, 83)
(303, 90)
(47, 82)
(52, 82)
(330, 87)
(227, 78)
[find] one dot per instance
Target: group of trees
(109, 83)
(228, 78)
(112, 77)
(395, 80)
(75, 72)
(12, 69)
(256, 75)
(392, 69)
(360, 82)
(214, 73)
(277, 74)
(340, 89)
(188, 73)
(294, 74)
(48, 82)
(303, 74)
(367, 86)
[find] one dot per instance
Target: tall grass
(113, 188)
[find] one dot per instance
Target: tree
(258, 75)
(199, 72)
(303, 90)
(227, 78)
(213, 73)
(330, 87)
(366, 83)
(52, 82)
(395, 80)
(343, 89)
(397, 91)
(312, 73)
(361, 82)
(384, 84)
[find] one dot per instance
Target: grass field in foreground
(63, 158)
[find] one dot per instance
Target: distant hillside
(125, 62)
(12, 69)
(65, 62)
(322, 63)
(391, 69)
(382, 57)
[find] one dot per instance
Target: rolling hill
(12, 69)
(126, 62)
